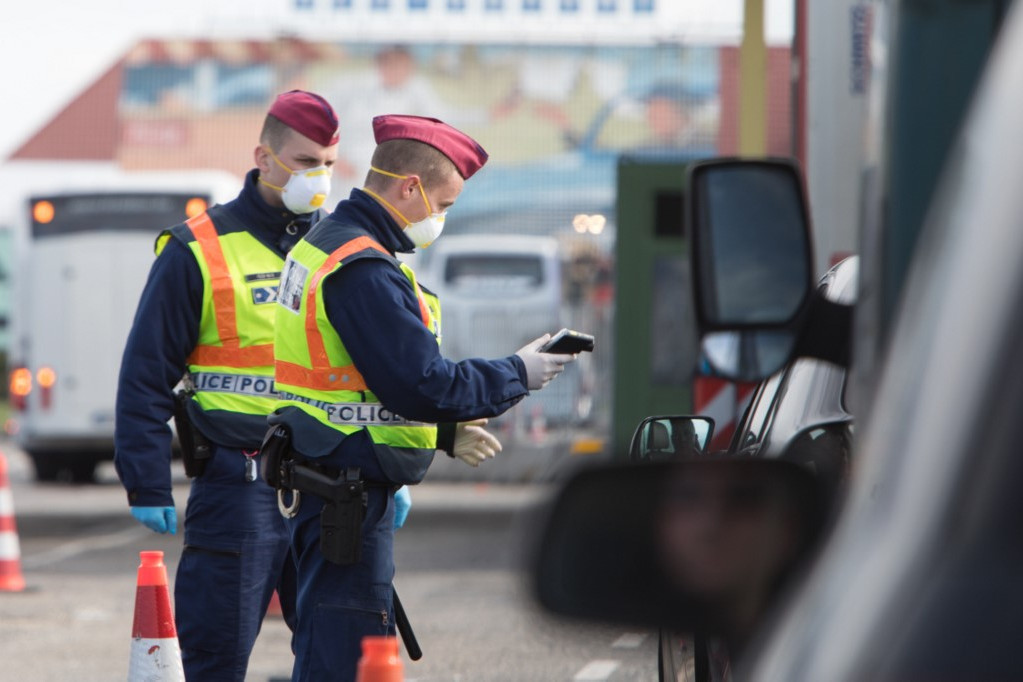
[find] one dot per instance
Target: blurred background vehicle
(82, 257)
(500, 291)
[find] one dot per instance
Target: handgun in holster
(344, 496)
(196, 449)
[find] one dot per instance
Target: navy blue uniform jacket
(372, 306)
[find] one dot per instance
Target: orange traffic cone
(380, 662)
(155, 653)
(11, 579)
(273, 609)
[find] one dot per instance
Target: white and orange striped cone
(155, 652)
(11, 579)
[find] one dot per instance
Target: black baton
(405, 629)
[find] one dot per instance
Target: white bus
(84, 249)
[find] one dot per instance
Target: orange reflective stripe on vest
(322, 375)
(317, 351)
(229, 353)
(424, 310)
(323, 379)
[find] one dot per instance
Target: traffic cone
(380, 662)
(273, 609)
(11, 579)
(155, 653)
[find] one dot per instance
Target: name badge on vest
(293, 278)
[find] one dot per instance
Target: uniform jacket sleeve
(373, 307)
(165, 330)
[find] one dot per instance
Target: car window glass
(759, 411)
(812, 394)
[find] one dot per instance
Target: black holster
(344, 496)
(342, 514)
(196, 449)
(274, 451)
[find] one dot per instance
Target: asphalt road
(459, 558)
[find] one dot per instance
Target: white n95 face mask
(425, 232)
(306, 190)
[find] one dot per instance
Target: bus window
(147, 211)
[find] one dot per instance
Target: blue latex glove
(402, 503)
(157, 519)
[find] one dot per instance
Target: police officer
(363, 384)
(207, 313)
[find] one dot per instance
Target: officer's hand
(157, 519)
(402, 503)
(541, 368)
(473, 443)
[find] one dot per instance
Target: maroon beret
(308, 114)
(465, 152)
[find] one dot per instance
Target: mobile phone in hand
(568, 341)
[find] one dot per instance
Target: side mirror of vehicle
(752, 262)
(667, 437)
(693, 545)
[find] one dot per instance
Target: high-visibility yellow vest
(231, 367)
(314, 372)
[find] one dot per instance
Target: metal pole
(753, 81)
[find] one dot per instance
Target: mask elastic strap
(264, 182)
(429, 209)
(279, 163)
(386, 203)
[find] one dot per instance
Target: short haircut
(275, 133)
(409, 157)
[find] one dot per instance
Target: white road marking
(67, 550)
(630, 640)
(596, 671)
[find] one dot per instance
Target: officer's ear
(410, 186)
(262, 159)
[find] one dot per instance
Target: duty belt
(356, 414)
(242, 384)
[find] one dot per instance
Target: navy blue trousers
(236, 553)
(339, 605)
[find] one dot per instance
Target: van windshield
(486, 273)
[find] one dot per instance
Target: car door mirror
(752, 262)
(702, 544)
(667, 437)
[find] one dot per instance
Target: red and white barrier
(724, 401)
